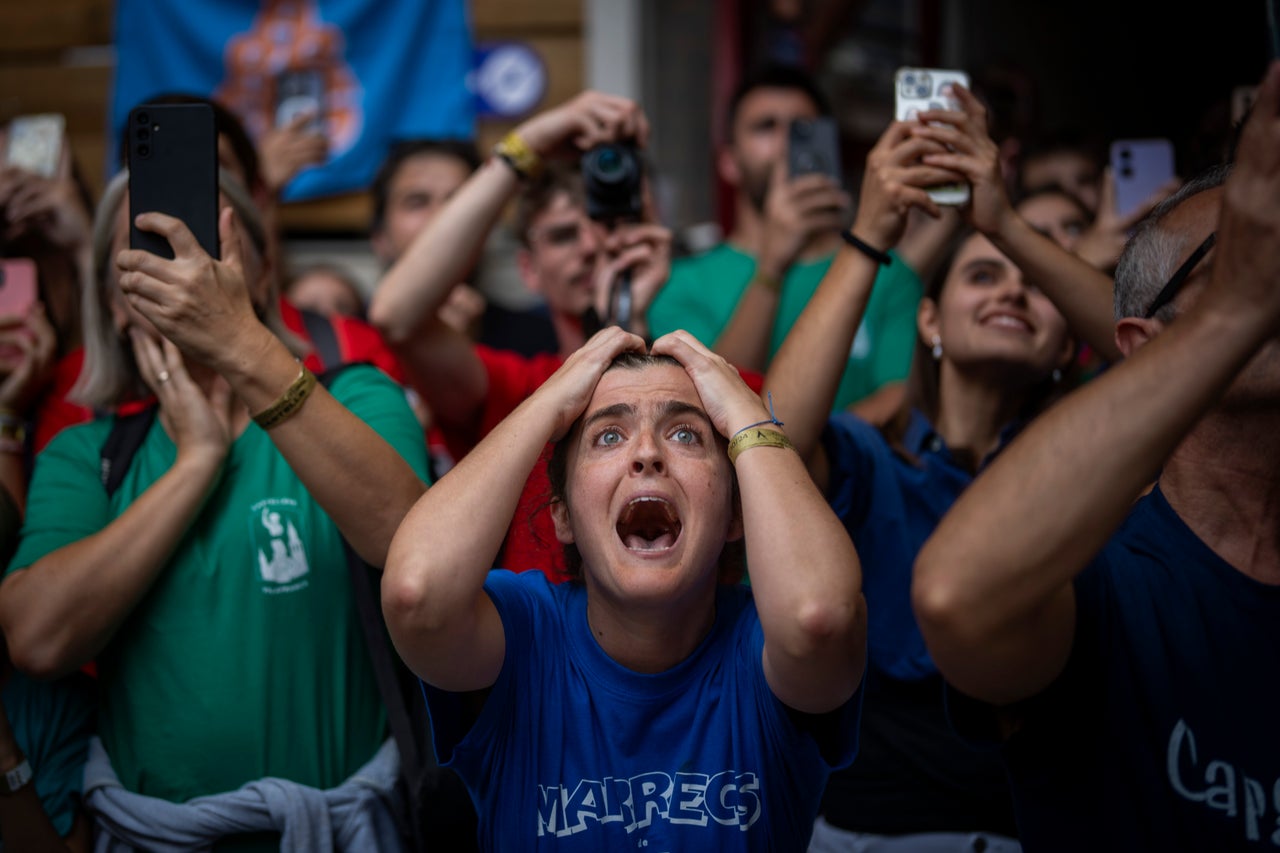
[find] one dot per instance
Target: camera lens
(143, 133)
(143, 118)
(144, 150)
(1126, 172)
(608, 162)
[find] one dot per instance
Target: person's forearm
(806, 581)
(744, 343)
(438, 258)
(992, 587)
(805, 373)
(58, 613)
(433, 584)
(359, 479)
(1082, 293)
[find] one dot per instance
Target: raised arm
(203, 306)
(1083, 294)
(796, 211)
(442, 622)
(441, 360)
(993, 586)
(805, 574)
(806, 372)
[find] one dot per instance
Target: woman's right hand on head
(587, 120)
(199, 424)
(569, 389)
(894, 183)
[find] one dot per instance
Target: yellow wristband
(517, 154)
(288, 403)
(745, 439)
(773, 284)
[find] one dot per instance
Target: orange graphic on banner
(289, 54)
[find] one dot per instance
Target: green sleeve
(65, 501)
(892, 311)
(380, 403)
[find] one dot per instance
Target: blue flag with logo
(372, 71)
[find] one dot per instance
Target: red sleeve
(512, 377)
(55, 412)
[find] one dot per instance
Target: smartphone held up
(917, 90)
(173, 169)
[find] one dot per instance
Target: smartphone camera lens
(144, 118)
(144, 134)
(144, 150)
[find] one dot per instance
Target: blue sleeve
(517, 599)
(52, 722)
(851, 444)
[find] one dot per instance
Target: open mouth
(649, 524)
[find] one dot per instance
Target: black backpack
(440, 810)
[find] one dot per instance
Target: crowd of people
(883, 525)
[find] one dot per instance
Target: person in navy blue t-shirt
(651, 702)
(1133, 672)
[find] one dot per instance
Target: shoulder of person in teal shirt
(704, 290)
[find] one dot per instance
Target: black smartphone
(813, 145)
(173, 169)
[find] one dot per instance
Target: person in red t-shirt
(566, 258)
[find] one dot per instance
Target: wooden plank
(344, 213)
(51, 26)
(524, 14)
(79, 92)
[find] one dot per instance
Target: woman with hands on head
(987, 348)
(211, 586)
(647, 702)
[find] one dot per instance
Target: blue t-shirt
(1163, 731)
(913, 773)
(890, 505)
(573, 751)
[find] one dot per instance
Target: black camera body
(611, 177)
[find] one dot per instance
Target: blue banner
(380, 69)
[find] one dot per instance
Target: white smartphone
(35, 143)
(1139, 167)
(920, 89)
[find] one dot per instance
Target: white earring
(937, 348)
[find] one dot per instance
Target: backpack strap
(126, 436)
(323, 337)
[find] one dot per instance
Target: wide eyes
(684, 435)
(609, 438)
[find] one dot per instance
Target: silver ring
(163, 376)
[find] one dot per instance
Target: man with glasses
(1126, 653)
(565, 257)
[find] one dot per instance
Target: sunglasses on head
(1179, 277)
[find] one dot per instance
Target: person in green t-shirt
(742, 297)
(211, 587)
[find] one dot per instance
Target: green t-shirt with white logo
(245, 658)
(704, 290)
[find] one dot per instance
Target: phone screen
(35, 143)
(300, 92)
(813, 146)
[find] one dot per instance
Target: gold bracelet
(745, 439)
(517, 154)
(288, 403)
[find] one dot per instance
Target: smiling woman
(646, 702)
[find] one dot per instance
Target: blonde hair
(109, 375)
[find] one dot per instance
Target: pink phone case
(17, 286)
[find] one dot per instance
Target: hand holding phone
(917, 90)
(35, 143)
